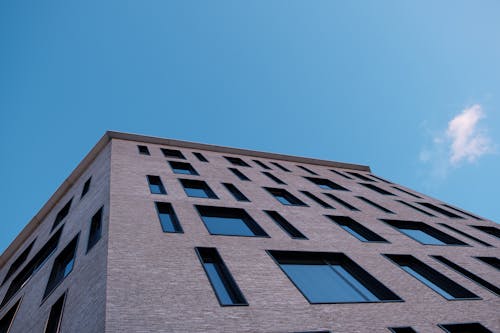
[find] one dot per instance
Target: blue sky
(369, 82)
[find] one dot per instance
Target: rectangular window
(174, 153)
(356, 229)
(155, 185)
(273, 177)
(86, 187)
(19, 261)
(143, 150)
(95, 231)
(62, 214)
(229, 222)
(285, 197)
(197, 189)
(340, 174)
(374, 204)
(415, 208)
(376, 189)
(331, 278)
(495, 232)
(280, 166)
(182, 168)
(237, 161)
(8, 318)
(200, 157)
(309, 171)
(220, 278)
(262, 165)
(440, 210)
(405, 329)
(423, 233)
(326, 184)
(285, 225)
(381, 179)
(463, 212)
(63, 265)
(54, 321)
(465, 235)
(465, 328)
(235, 192)
(168, 219)
(340, 201)
(360, 176)
(317, 200)
(239, 174)
(431, 278)
(468, 274)
(407, 192)
(492, 261)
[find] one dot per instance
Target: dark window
(32, 266)
(340, 201)
(415, 208)
(340, 174)
(18, 262)
(220, 278)
(239, 174)
(374, 204)
(407, 192)
(331, 278)
(155, 185)
(314, 332)
(8, 318)
(182, 168)
(53, 324)
(95, 229)
(317, 200)
(465, 235)
(235, 192)
(62, 214)
(172, 153)
(168, 218)
(262, 165)
(489, 230)
(360, 176)
(274, 178)
(229, 221)
(405, 329)
(285, 197)
(440, 210)
(63, 265)
(463, 212)
(465, 328)
(468, 274)
(326, 184)
(86, 187)
(376, 189)
(200, 157)
(280, 166)
(356, 229)
(197, 189)
(307, 170)
(381, 179)
(431, 278)
(423, 233)
(143, 150)
(237, 161)
(285, 225)
(492, 261)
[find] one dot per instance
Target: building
(158, 235)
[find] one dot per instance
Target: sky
(410, 88)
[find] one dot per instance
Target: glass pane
(427, 282)
(354, 283)
(218, 284)
(422, 236)
(166, 222)
(227, 226)
(354, 233)
(156, 189)
(69, 267)
(324, 186)
(196, 192)
(283, 200)
(182, 171)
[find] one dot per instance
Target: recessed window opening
(492, 231)
(423, 233)
(440, 210)
(340, 201)
(326, 184)
(415, 208)
(143, 150)
(356, 229)
(340, 174)
(381, 179)
(62, 214)
(317, 200)
(492, 261)
(285, 197)
(465, 234)
(200, 157)
(463, 212)
(235, 192)
(54, 321)
(374, 204)
(197, 189)
(86, 187)
(262, 165)
(376, 189)
(174, 153)
(155, 185)
(182, 168)
(274, 178)
(95, 231)
(168, 219)
(8, 318)
(19, 261)
(239, 174)
(285, 225)
(63, 265)
(465, 328)
(407, 192)
(280, 166)
(360, 176)
(405, 329)
(237, 161)
(307, 170)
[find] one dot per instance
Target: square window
(285, 197)
(237, 161)
(182, 168)
(326, 184)
(174, 153)
(143, 150)
(197, 189)
(168, 218)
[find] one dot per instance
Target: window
(360, 176)
(415, 208)
(155, 185)
(431, 278)
(280, 166)
(340, 201)
(495, 232)
(172, 153)
(356, 229)
(492, 261)
(316, 199)
(440, 210)
(374, 204)
(63, 265)
(285, 225)
(274, 178)
(465, 328)
(331, 278)
(463, 212)
(468, 274)
(32, 266)
(307, 170)
(340, 174)
(86, 187)
(143, 150)
(405, 329)
(168, 218)
(376, 189)
(8, 318)
(465, 235)
(237, 161)
(423, 233)
(381, 179)
(200, 157)
(182, 168)
(62, 214)
(220, 278)
(262, 165)
(18, 262)
(229, 222)
(235, 192)
(285, 197)
(326, 184)
(197, 189)
(53, 324)
(407, 192)
(95, 229)
(239, 174)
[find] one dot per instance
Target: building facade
(159, 235)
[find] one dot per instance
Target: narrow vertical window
(262, 165)
(374, 204)
(317, 200)
(86, 187)
(18, 262)
(54, 321)
(168, 218)
(220, 278)
(235, 192)
(340, 201)
(143, 150)
(95, 229)
(285, 225)
(309, 171)
(239, 174)
(63, 265)
(280, 166)
(200, 157)
(8, 318)
(273, 177)
(62, 214)
(155, 185)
